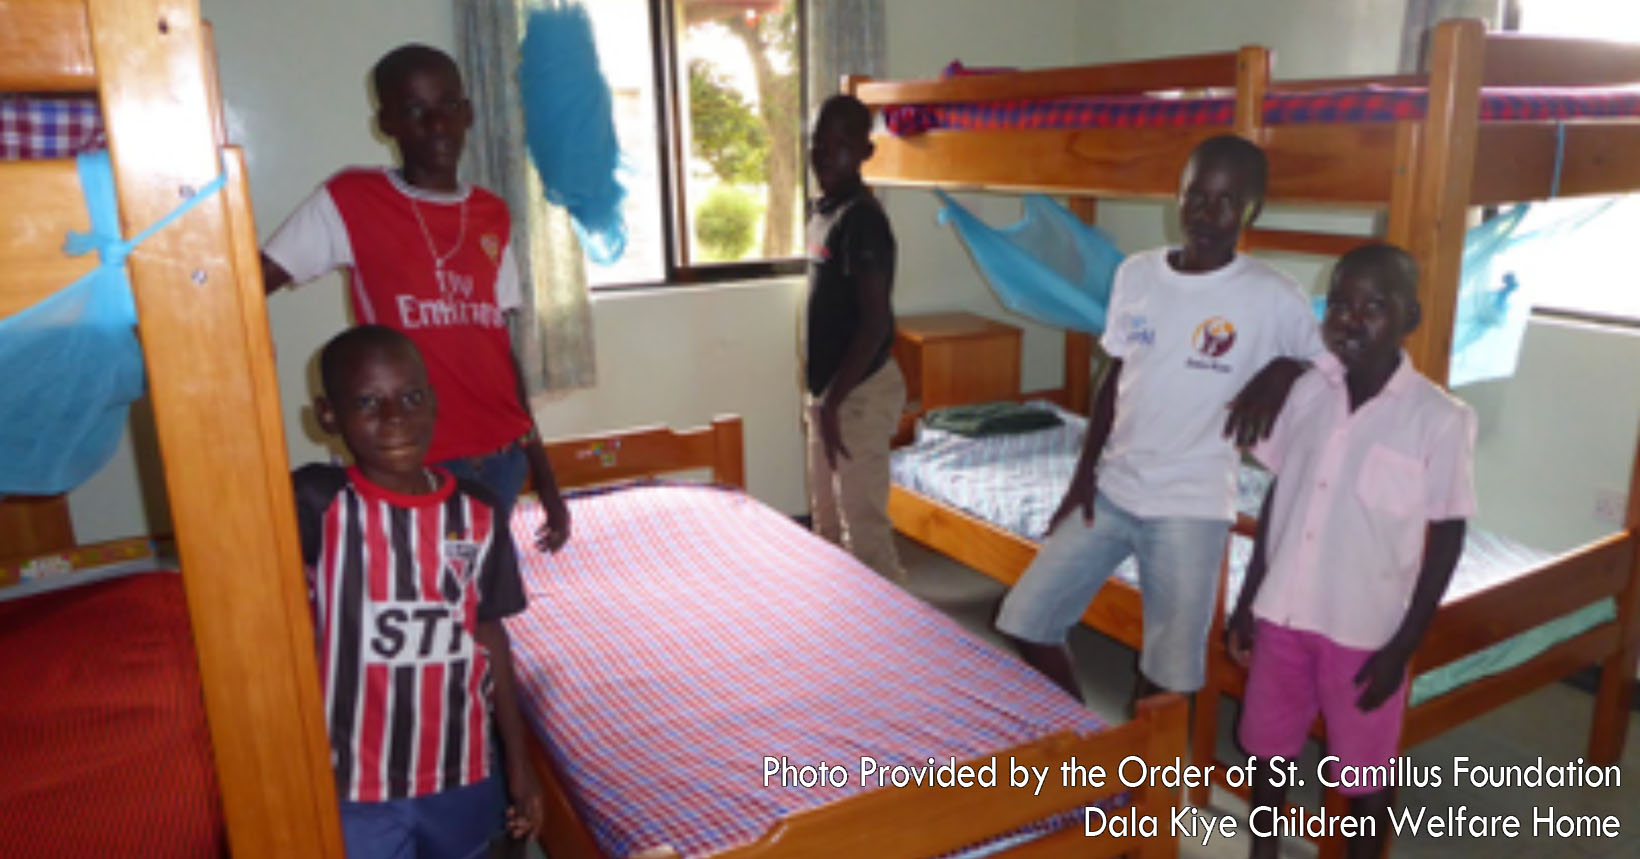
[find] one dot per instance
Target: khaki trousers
(849, 504)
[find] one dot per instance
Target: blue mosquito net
(1049, 266)
(569, 126)
(1052, 267)
(1492, 308)
(70, 365)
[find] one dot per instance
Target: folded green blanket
(987, 419)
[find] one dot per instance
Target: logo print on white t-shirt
(1214, 337)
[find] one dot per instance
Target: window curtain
(846, 37)
(553, 334)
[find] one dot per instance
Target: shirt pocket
(1391, 482)
(1391, 487)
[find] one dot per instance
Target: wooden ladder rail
(216, 405)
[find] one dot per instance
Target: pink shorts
(1296, 675)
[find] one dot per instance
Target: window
(708, 108)
(1582, 272)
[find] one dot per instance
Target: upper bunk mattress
(687, 632)
(1368, 104)
(103, 729)
(49, 126)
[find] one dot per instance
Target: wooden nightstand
(950, 359)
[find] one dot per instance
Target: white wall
(935, 272)
(1559, 435)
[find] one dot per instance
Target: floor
(1551, 723)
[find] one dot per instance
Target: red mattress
(103, 744)
(687, 632)
(1371, 104)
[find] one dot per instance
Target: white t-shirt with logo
(1188, 343)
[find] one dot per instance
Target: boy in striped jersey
(410, 573)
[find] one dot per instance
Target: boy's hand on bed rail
(525, 813)
(554, 532)
(1253, 412)
(1382, 674)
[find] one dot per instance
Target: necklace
(461, 235)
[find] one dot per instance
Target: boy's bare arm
(876, 320)
(1383, 672)
(1084, 482)
(273, 275)
(526, 811)
(555, 527)
(1238, 632)
(1254, 410)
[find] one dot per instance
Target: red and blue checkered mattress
(1370, 104)
(686, 632)
(49, 126)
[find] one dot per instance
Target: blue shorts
(502, 473)
(1178, 580)
(454, 824)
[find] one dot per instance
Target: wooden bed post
(34, 525)
(1252, 80)
(1079, 344)
(728, 455)
(215, 398)
(1611, 704)
(1166, 715)
(1445, 171)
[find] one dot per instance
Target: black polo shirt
(845, 238)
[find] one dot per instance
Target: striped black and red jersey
(398, 584)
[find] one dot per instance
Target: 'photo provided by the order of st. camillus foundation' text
(1534, 786)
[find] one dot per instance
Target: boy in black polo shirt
(855, 393)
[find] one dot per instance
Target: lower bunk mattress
(1015, 482)
(104, 749)
(687, 634)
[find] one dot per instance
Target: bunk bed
(1425, 166)
(655, 664)
(210, 379)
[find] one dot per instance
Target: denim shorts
(1178, 580)
(502, 472)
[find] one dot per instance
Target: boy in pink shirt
(1357, 540)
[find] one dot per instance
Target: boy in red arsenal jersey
(431, 257)
(410, 572)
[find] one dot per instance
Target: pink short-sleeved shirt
(1355, 495)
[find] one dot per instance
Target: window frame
(677, 269)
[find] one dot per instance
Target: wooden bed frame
(871, 823)
(210, 375)
(1426, 174)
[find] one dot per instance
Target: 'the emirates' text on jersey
(398, 584)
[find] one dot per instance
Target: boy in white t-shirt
(1192, 331)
